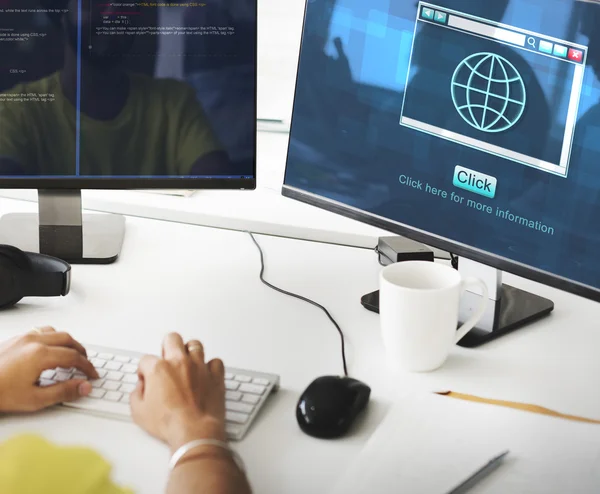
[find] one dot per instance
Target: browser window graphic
(485, 81)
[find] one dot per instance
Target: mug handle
(474, 319)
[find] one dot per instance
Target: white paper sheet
(428, 444)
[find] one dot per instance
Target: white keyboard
(246, 391)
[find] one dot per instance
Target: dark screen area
(90, 88)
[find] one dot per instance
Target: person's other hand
(24, 358)
(179, 397)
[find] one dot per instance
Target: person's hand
(179, 397)
(24, 358)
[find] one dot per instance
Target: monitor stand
(62, 230)
(508, 308)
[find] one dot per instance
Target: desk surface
(204, 283)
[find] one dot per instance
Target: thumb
(62, 392)
(135, 401)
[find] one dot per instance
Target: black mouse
(329, 405)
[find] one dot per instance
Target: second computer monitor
(471, 126)
(104, 94)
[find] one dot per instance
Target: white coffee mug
(418, 307)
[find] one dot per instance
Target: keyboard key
(113, 396)
(111, 385)
(231, 385)
(233, 430)
(252, 399)
(236, 417)
(78, 375)
(91, 353)
(122, 358)
(48, 374)
(243, 379)
(261, 381)
(130, 378)
(129, 369)
(115, 366)
(97, 383)
(97, 393)
(252, 388)
(106, 356)
(127, 388)
(135, 361)
(228, 376)
(62, 376)
(98, 363)
(233, 395)
(236, 406)
(114, 376)
(46, 382)
(101, 372)
(62, 369)
(126, 398)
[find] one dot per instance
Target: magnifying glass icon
(531, 41)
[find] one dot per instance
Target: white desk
(204, 283)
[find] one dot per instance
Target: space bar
(101, 406)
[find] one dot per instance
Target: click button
(476, 182)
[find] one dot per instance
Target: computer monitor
(471, 126)
(121, 95)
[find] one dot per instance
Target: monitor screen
(96, 89)
(468, 124)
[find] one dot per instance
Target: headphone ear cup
(9, 290)
(17, 256)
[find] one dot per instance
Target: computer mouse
(330, 404)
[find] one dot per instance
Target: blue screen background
(347, 144)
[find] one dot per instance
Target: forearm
(208, 473)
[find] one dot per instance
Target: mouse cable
(300, 297)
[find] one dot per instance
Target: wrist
(190, 429)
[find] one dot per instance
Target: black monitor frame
(461, 250)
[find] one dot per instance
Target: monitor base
(515, 309)
(100, 237)
(61, 230)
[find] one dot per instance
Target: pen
(479, 474)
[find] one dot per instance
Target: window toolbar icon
(440, 17)
(546, 47)
(427, 13)
(560, 51)
(575, 55)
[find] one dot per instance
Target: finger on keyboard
(67, 358)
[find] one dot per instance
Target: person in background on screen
(131, 124)
(179, 398)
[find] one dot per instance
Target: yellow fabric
(162, 130)
(520, 406)
(31, 465)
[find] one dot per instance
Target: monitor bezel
(442, 243)
(145, 183)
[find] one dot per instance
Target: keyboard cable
(300, 297)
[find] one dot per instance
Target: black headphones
(25, 274)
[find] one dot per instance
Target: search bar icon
(531, 41)
(487, 30)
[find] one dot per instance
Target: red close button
(575, 55)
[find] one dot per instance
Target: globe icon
(488, 92)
